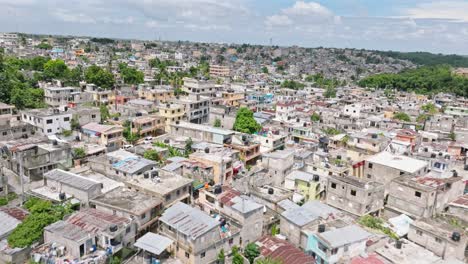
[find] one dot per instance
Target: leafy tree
(74, 123)
(128, 135)
(37, 63)
(23, 96)
(429, 108)
(265, 70)
(100, 77)
(291, 84)
(55, 69)
(217, 122)
(402, 116)
(251, 251)
(452, 136)
(74, 77)
(330, 92)
(422, 118)
(188, 146)
(274, 230)
(221, 257)
(237, 257)
(315, 117)
(44, 45)
(131, 75)
(152, 154)
(104, 112)
(79, 153)
(245, 121)
(331, 131)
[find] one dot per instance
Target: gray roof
(132, 165)
(343, 236)
(309, 212)
(7, 223)
(287, 204)
(71, 179)
(188, 220)
(153, 243)
(300, 175)
(245, 204)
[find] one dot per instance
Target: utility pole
(19, 160)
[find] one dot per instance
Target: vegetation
(315, 117)
(99, 76)
(264, 70)
(453, 136)
(236, 256)
(188, 147)
(104, 111)
(274, 230)
(423, 80)
(173, 152)
(268, 261)
(217, 122)
(42, 214)
(8, 198)
(330, 131)
(320, 81)
(152, 154)
(251, 251)
(131, 75)
(291, 84)
(429, 108)
(102, 40)
(221, 257)
(376, 224)
(402, 116)
(245, 121)
(79, 153)
(426, 58)
(44, 45)
(330, 92)
(130, 137)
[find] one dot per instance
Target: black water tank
(218, 189)
(321, 228)
(316, 178)
(398, 244)
(271, 191)
(62, 196)
(456, 236)
(207, 150)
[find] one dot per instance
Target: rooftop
(153, 243)
(71, 179)
(343, 236)
(204, 128)
(188, 220)
(283, 251)
(162, 185)
(133, 164)
(128, 200)
(310, 211)
(99, 128)
(399, 162)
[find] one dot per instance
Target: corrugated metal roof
(343, 236)
(153, 243)
(71, 179)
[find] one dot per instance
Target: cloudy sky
(407, 25)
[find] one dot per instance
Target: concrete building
(159, 93)
(422, 196)
(304, 183)
(445, 240)
(219, 71)
(222, 162)
(62, 96)
(196, 107)
(279, 163)
(10, 125)
(48, 121)
(384, 167)
(199, 87)
(355, 196)
(249, 149)
(229, 202)
(171, 113)
(86, 228)
(128, 203)
(105, 135)
(85, 115)
(202, 132)
(199, 237)
(60, 185)
(151, 125)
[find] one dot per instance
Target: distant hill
(427, 59)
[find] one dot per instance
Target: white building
(48, 121)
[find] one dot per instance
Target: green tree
(100, 77)
(330, 92)
(245, 121)
(236, 256)
(74, 77)
(221, 257)
(188, 146)
(265, 70)
(152, 154)
(315, 117)
(422, 118)
(55, 69)
(217, 122)
(104, 112)
(251, 251)
(429, 108)
(131, 75)
(74, 123)
(79, 153)
(37, 63)
(453, 136)
(402, 116)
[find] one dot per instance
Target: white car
(127, 146)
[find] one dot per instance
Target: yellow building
(170, 113)
(162, 94)
(148, 125)
(232, 98)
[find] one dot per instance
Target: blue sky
(406, 25)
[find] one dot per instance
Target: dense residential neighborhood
(129, 151)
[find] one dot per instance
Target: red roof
(371, 259)
(284, 251)
(227, 195)
(462, 200)
(15, 212)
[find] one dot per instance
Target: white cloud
(302, 8)
(278, 21)
(73, 17)
(446, 10)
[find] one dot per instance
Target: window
(333, 185)
(4, 133)
(143, 216)
(128, 230)
(346, 248)
(93, 116)
(322, 247)
(202, 255)
(49, 130)
(50, 121)
(353, 192)
(370, 165)
(369, 176)
(419, 232)
(66, 119)
(417, 194)
(231, 241)
(187, 255)
(334, 251)
(168, 197)
(402, 172)
(438, 240)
